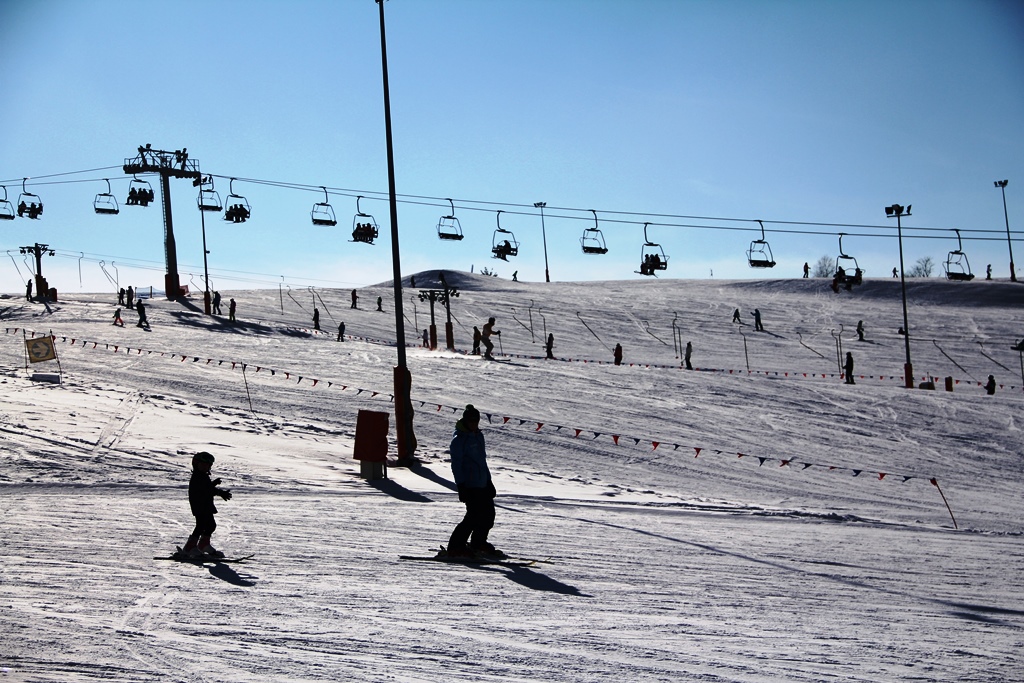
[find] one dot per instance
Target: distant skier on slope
(848, 368)
(485, 337)
(758, 327)
(476, 491)
(617, 354)
(990, 386)
(476, 341)
(201, 491)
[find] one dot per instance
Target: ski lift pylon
(323, 213)
(364, 228)
(759, 255)
(503, 243)
(105, 203)
(652, 256)
(6, 208)
(592, 240)
(236, 207)
(448, 227)
(957, 266)
(30, 205)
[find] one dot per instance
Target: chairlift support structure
(957, 266)
(448, 227)
(503, 243)
(105, 202)
(592, 240)
(364, 227)
(759, 255)
(652, 256)
(209, 198)
(6, 208)
(323, 213)
(30, 205)
(236, 207)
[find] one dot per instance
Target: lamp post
(1001, 184)
(403, 379)
(544, 238)
(898, 212)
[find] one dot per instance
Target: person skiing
(990, 386)
(201, 491)
(341, 331)
(758, 327)
(476, 491)
(130, 297)
(380, 301)
(355, 299)
(848, 368)
(860, 330)
(216, 303)
(117, 318)
(617, 354)
(120, 297)
(28, 290)
(476, 341)
(141, 309)
(485, 337)
(686, 355)
(316, 318)
(426, 338)
(736, 317)
(988, 272)
(807, 270)
(549, 346)
(231, 310)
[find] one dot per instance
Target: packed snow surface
(753, 519)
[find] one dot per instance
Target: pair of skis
(442, 556)
(180, 556)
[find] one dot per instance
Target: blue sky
(813, 112)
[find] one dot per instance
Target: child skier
(201, 491)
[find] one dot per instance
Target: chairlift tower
(167, 165)
(40, 250)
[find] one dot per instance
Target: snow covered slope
(755, 519)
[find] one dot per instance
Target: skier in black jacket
(201, 491)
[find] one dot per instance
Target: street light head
(1001, 183)
(908, 210)
(540, 205)
(888, 211)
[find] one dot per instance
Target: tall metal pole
(1001, 184)
(544, 237)
(908, 370)
(206, 268)
(403, 379)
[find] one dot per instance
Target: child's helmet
(203, 456)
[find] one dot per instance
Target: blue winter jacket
(469, 458)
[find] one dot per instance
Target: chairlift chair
(592, 240)
(6, 208)
(844, 262)
(957, 266)
(652, 256)
(759, 255)
(140, 192)
(364, 228)
(236, 208)
(448, 227)
(503, 243)
(209, 198)
(322, 213)
(29, 203)
(105, 203)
